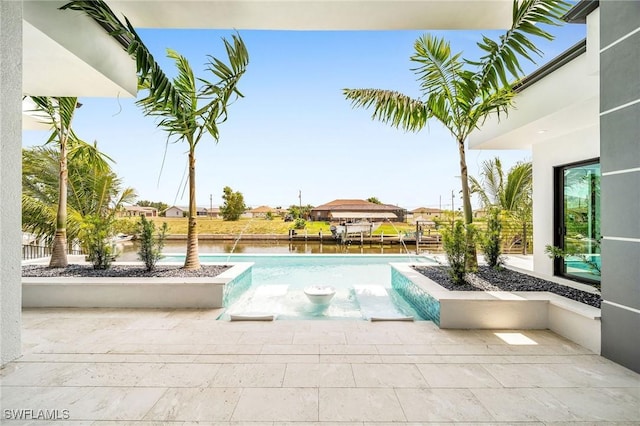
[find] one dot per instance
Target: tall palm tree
(192, 121)
(511, 194)
(58, 113)
(176, 101)
(461, 93)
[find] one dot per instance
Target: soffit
(317, 15)
(65, 53)
(563, 102)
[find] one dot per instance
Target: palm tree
(461, 93)
(58, 113)
(93, 188)
(191, 121)
(176, 102)
(512, 195)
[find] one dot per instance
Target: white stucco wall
(569, 148)
(10, 177)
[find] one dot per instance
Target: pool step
(251, 317)
(376, 305)
(259, 304)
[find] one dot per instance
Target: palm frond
(390, 107)
(150, 75)
(500, 61)
(438, 70)
(518, 185)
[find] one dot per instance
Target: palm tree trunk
(524, 238)
(192, 260)
(59, 249)
(471, 260)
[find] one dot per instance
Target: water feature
(239, 236)
(400, 237)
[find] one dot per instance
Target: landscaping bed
(489, 279)
(121, 271)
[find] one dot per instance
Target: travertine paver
(112, 366)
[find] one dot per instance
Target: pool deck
(137, 366)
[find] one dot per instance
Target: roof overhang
(560, 103)
(363, 215)
(65, 53)
(318, 14)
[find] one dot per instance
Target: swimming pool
(362, 284)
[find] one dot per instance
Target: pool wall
(238, 285)
(426, 305)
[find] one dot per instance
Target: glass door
(578, 221)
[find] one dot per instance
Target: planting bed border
(134, 292)
(499, 310)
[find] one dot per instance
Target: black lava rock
(508, 280)
(120, 271)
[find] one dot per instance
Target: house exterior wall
(620, 164)
(569, 148)
(174, 212)
(10, 178)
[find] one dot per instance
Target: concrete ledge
(576, 321)
(140, 292)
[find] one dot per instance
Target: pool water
(362, 284)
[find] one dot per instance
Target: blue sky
(294, 130)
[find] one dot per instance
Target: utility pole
(300, 198)
(453, 212)
(453, 209)
(210, 205)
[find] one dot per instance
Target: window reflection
(581, 221)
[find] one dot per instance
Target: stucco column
(620, 161)
(10, 177)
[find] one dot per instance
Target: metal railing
(36, 252)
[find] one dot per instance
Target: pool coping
(574, 320)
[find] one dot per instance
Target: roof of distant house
(139, 208)
(426, 210)
(354, 204)
(262, 209)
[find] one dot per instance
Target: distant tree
(300, 212)
(374, 200)
(159, 205)
(233, 206)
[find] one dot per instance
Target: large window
(577, 221)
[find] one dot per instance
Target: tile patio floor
(108, 366)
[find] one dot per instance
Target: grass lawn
(208, 225)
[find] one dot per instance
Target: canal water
(129, 249)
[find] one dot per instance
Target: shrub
(299, 223)
(454, 243)
(96, 237)
(150, 250)
(492, 240)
